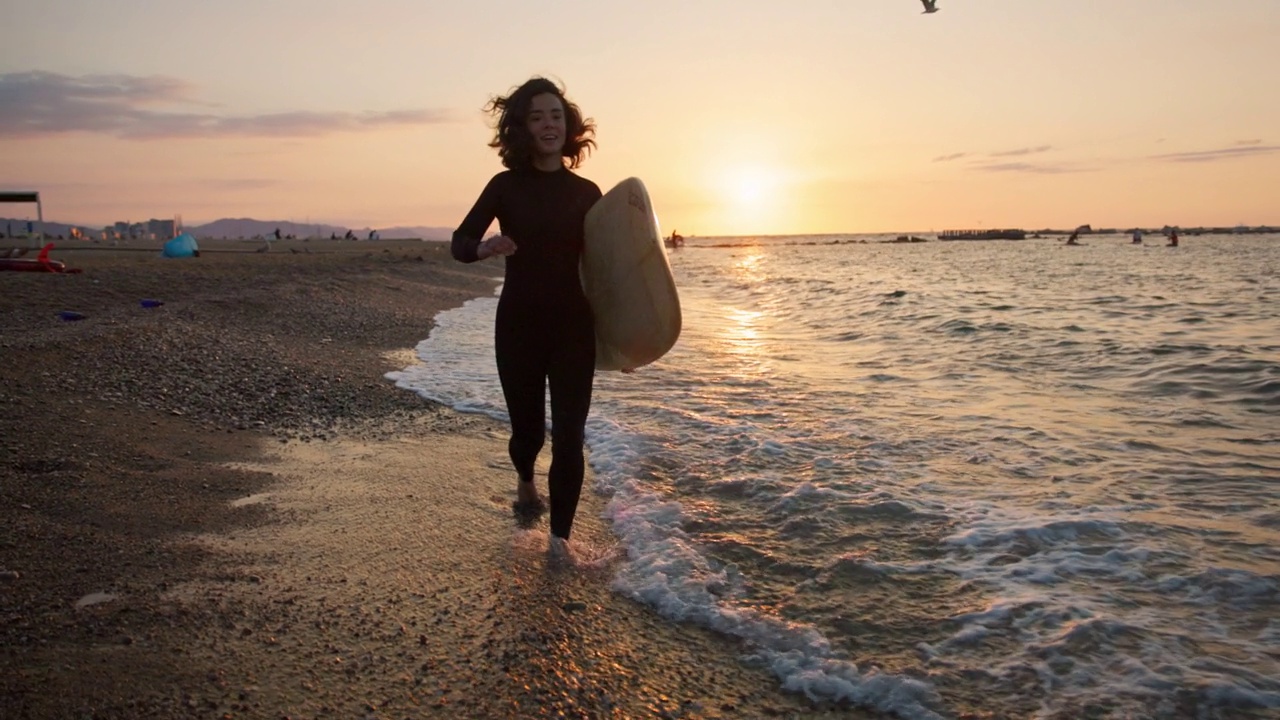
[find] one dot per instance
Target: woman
(543, 333)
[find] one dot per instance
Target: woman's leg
(571, 374)
(522, 369)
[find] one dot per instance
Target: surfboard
(627, 279)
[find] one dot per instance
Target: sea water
(996, 477)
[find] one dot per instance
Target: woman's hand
(496, 245)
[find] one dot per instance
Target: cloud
(1024, 167)
(1227, 153)
(225, 184)
(34, 104)
(1021, 151)
(976, 164)
(1249, 142)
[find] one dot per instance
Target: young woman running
(543, 334)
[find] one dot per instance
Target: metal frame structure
(29, 196)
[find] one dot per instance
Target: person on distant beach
(1074, 239)
(1137, 237)
(544, 332)
(1173, 237)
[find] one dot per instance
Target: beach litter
(94, 599)
(150, 303)
(71, 315)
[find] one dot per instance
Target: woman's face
(546, 125)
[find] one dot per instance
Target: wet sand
(220, 508)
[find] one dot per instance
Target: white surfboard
(628, 281)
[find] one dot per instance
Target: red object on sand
(40, 263)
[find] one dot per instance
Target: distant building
(162, 229)
(152, 229)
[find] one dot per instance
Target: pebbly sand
(220, 508)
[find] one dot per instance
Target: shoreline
(283, 532)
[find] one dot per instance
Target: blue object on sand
(149, 303)
(70, 315)
(183, 246)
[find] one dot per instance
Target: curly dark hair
(511, 136)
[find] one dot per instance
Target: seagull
(930, 6)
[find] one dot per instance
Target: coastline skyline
(252, 228)
(741, 120)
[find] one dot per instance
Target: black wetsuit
(543, 332)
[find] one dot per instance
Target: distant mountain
(417, 231)
(242, 228)
(14, 227)
(249, 228)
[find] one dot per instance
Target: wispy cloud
(34, 104)
(1249, 142)
(1025, 167)
(224, 184)
(981, 162)
(1227, 153)
(976, 163)
(1021, 151)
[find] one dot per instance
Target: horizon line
(1264, 228)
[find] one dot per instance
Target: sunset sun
(749, 188)
(752, 198)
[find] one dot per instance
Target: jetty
(993, 234)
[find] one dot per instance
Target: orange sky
(743, 117)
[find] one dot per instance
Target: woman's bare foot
(526, 492)
(559, 553)
(528, 504)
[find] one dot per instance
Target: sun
(749, 198)
(748, 187)
(753, 200)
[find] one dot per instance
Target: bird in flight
(930, 6)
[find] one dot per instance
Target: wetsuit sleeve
(466, 239)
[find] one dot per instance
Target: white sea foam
(667, 572)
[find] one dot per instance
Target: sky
(742, 117)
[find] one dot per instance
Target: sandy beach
(219, 507)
